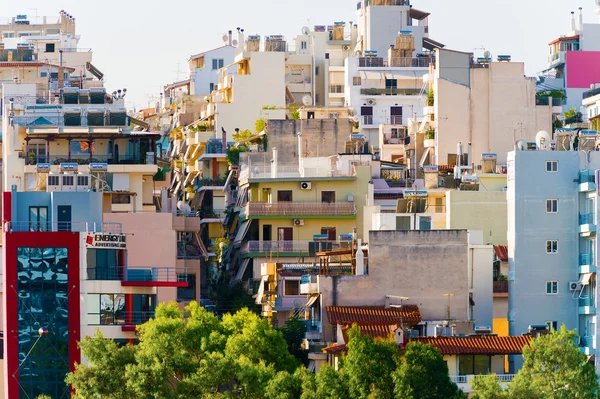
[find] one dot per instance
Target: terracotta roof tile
(501, 252)
(348, 315)
(480, 345)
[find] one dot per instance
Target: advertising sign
(100, 240)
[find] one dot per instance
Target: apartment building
(552, 246)
(571, 56)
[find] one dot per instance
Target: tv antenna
(178, 71)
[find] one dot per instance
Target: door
(330, 231)
(64, 218)
(267, 237)
(286, 234)
(396, 115)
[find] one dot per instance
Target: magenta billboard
(582, 69)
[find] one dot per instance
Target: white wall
(203, 77)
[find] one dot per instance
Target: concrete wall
(203, 77)
(478, 210)
(454, 66)
(482, 258)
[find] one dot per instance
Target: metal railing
(87, 227)
(586, 259)
(367, 119)
(556, 102)
(587, 218)
(137, 274)
(263, 171)
(121, 159)
(59, 120)
(300, 209)
(458, 379)
(284, 246)
(120, 318)
(464, 379)
(219, 182)
(395, 62)
(500, 287)
(591, 93)
(390, 91)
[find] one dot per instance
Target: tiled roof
(480, 345)
(372, 330)
(501, 252)
(348, 315)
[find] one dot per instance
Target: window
(217, 63)
(551, 246)
(54, 180)
(425, 223)
(330, 232)
(267, 234)
(303, 45)
(552, 325)
(439, 205)
(551, 287)
(284, 196)
(356, 81)
(104, 264)
(328, 197)
(551, 166)
(43, 74)
(83, 180)
(187, 293)
(38, 218)
(474, 364)
(403, 223)
(211, 87)
(49, 47)
(334, 115)
(391, 83)
(317, 71)
(121, 199)
(292, 287)
(551, 206)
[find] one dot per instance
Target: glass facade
(43, 304)
(111, 309)
(105, 264)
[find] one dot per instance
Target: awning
(241, 233)
(190, 176)
(418, 14)
(228, 182)
(233, 225)
(138, 122)
(175, 85)
(201, 245)
(261, 290)
(196, 202)
(431, 44)
(194, 123)
(242, 269)
(311, 300)
(190, 150)
(585, 278)
(176, 191)
(424, 157)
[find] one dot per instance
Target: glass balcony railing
(585, 259)
(587, 341)
(587, 176)
(586, 218)
(589, 301)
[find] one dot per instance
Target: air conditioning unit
(305, 185)
(371, 101)
(298, 222)
(574, 286)
(346, 48)
(83, 182)
(53, 182)
(68, 182)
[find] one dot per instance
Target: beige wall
(479, 210)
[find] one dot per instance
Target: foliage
(551, 93)
(233, 155)
(430, 134)
(422, 373)
(557, 124)
(242, 136)
(259, 125)
(488, 387)
(293, 333)
(43, 397)
(285, 386)
(501, 277)
(265, 142)
(269, 107)
(218, 249)
(570, 113)
(554, 367)
(430, 98)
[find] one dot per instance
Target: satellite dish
(235, 43)
(183, 207)
(542, 140)
(487, 54)
(521, 145)
(307, 100)
(306, 30)
(225, 38)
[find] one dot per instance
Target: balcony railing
(121, 159)
(300, 209)
(286, 246)
(585, 259)
(219, 182)
(587, 218)
(137, 274)
(500, 287)
(313, 326)
(83, 121)
(591, 93)
(120, 318)
(43, 227)
(587, 341)
(588, 176)
(395, 62)
(587, 301)
(556, 102)
(391, 91)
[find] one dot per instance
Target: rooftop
(373, 315)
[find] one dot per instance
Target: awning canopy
(585, 278)
(228, 182)
(261, 290)
(418, 14)
(311, 300)
(201, 246)
(242, 269)
(431, 44)
(242, 231)
(424, 157)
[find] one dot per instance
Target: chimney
(360, 259)
(223, 141)
(274, 164)
(230, 33)
(573, 27)
(580, 19)
(241, 43)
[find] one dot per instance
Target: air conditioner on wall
(298, 222)
(305, 185)
(371, 101)
(574, 286)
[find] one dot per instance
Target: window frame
(551, 166)
(552, 325)
(551, 205)
(552, 252)
(554, 284)
(292, 282)
(356, 81)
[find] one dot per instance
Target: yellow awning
(311, 301)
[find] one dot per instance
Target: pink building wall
(582, 69)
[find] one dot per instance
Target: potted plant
(429, 138)
(430, 98)
(31, 158)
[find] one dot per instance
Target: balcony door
(64, 218)
(37, 152)
(396, 115)
(286, 236)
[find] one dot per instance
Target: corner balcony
(301, 210)
(586, 264)
(587, 306)
(587, 181)
(587, 226)
(587, 345)
(140, 277)
(70, 227)
(127, 320)
(309, 284)
(464, 381)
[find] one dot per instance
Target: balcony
(545, 101)
(73, 120)
(586, 264)
(587, 306)
(587, 181)
(587, 226)
(120, 318)
(295, 248)
(464, 381)
(121, 159)
(140, 277)
(287, 210)
(557, 58)
(72, 227)
(587, 345)
(313, 329)
(390, 91)
(395, 62)
(309, 284)
(500, 287)
(210, 184)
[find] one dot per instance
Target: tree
(422, 373)
(293, 333)
(242, 136)
(285, 385)
(554, 367)
(368, 365)
(488, 387)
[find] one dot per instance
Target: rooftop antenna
(306, 31)
(178, 71)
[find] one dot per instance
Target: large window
(285, 196)
(38, 218)
(43, 290)
(218, 63)
(292, 287)
(113, 309)
(187, 293)
(474, 364)
(105, 264)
